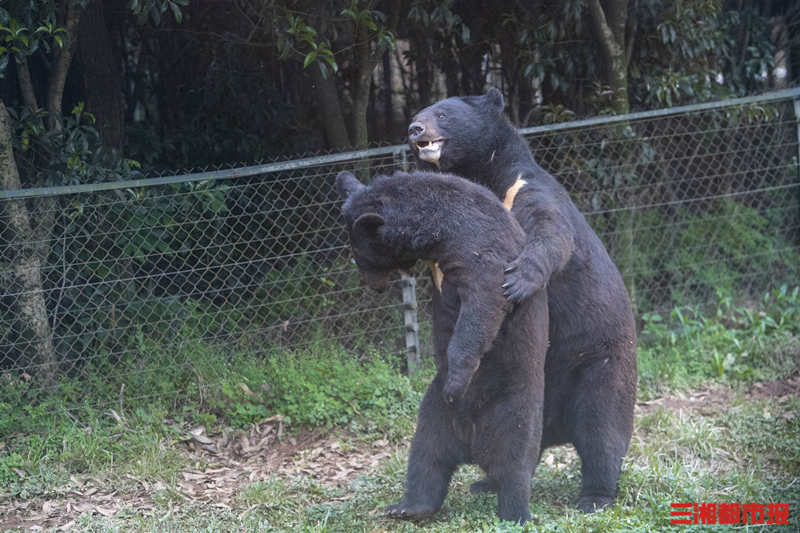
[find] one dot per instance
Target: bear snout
(376, 281)
(415, 130)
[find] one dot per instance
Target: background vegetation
(131, 317)
(179, 83)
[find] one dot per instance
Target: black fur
(590, 372)
(485, 404)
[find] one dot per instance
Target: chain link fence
(101, 282)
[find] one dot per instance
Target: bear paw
(485, 485)
(522, 280)
(454, 389)
(591, 504)
(409, 510)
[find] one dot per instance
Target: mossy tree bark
(614, 33)
(26, 268)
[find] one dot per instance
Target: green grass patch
(736, 343)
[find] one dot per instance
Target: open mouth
(430, 150)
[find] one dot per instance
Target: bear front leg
(549, 245)
(479, 319)
(436, 452)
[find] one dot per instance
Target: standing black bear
(485, 404)
(590, 372)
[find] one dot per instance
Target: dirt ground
(231, 459)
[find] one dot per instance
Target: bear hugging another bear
(590, 370)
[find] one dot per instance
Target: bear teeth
(421, 145)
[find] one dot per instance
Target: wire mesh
(98, 284)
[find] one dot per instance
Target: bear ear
(347, 184)
(369, 221)
(495, 98)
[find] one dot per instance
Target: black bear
(485, 404)
(590, 371)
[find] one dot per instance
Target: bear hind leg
(601, 424)
(514, 496)
(435, 454)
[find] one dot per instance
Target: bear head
(365, 213)
(450, 133)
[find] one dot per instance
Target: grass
(746, 450)
(674, 457)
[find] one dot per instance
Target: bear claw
(588, 504)
(408, 510)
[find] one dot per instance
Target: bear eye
(440, 115)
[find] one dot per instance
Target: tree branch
(25, 84)
(59, 74)
(611, 41)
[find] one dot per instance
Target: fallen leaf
(108, 513)
(788, 415)
(652, 402)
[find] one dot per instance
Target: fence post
(797, 121)
(404, 155)
(412, 327)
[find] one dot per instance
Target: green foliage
(295, 37)
(69, 155)
(691, 51)
(37, 26)
(144, 9)
(736, 343)
(8, 465)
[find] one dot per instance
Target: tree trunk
(363, 86)
(26, 268)
(423, 69)
(102, 84)
(388, 108)
(610, 35)
(26, 84)
(330, 110)
(58, 78)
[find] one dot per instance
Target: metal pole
(412, 327)
(797, 121)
